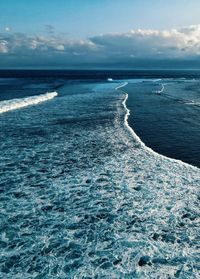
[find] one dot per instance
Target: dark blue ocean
(85, 191)
(165, 114)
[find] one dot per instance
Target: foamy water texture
(82, 197)
(24, 102)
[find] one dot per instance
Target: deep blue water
(165, 114)
(80, 195)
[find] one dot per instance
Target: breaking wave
(81, 199)
(161, 89)
(24, 102)
(135, 136)
(121, 85)
(192, 103)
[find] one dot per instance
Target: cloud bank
(137, 48)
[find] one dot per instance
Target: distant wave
(109, 79)
(180, 100)
(161, 90)
(139, 141)
(24, 102)
(156, 80)
(192, 103)
(121, 85)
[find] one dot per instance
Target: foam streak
(138, 140)
(24, 102)
(161, 90)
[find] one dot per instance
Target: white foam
(161, 90)
(192, 103)
(109, 79)
(24, 102)
(139, 141)
(122, 85)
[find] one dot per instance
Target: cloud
(39, 44)
(175, 43)
(133, 48)
(7, 29)
(3, 46)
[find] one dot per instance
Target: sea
(99, 174)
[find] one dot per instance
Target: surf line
(161, 90)
(122, 85)
(137, 138)
(13, 104)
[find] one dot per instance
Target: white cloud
(17, 42)
(174, 43)
(112, 48)
(60, 47)
(3, 46)
(7, 29)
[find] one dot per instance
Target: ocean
(99, 174)
(166, 116)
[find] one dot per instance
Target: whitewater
(135, 136)
(13, 104)
(83, 197)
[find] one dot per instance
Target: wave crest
(24, 102)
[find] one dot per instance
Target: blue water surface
(81, 197)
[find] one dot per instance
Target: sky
(99, 34)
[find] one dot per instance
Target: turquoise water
(82, 197)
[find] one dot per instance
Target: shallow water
(82, 198)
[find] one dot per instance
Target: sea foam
(12, 104)
(81, 199)
(161, 90)
(137, 138)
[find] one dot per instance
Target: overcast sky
(99, 34)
